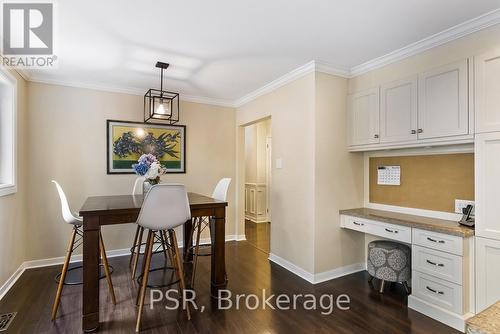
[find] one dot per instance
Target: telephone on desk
(467, 218)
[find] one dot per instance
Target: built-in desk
(442, 260)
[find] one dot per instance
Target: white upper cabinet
(443, 101)
(487, 94)
(487, 185)
(363, 117)
(398, 111)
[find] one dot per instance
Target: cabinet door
(363, 117)
(487, 273)
(487, 185)
(487, 91)
(443, 102)
(398, 111)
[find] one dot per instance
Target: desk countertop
(424, 223)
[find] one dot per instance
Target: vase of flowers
(150, 167)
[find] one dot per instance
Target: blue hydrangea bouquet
(150, 167)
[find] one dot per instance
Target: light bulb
(163, 110)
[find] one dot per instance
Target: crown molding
(460, 30)
(126, 90)
(312, 66)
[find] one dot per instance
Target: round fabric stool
(389, 261)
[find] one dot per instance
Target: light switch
(279, 163)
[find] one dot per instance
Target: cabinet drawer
(443, 242)
(389, 231)
(436, 291)
(354, 223)
(439, 264)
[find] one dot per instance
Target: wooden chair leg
(134, 245)
(146, 251)
(137, 252)
(170, 255)
(180, 271)
(190, 239)
(106, 269)
(60, 286)
(196, 250)
(145, 276)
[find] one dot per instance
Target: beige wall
(291, 108)
(338, 181)
(319, 176)
(67, 143)
(255, 151)
(12, 207)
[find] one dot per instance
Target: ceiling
(225, 49)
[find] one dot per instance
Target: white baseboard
(319, 277)
(302, 273)
(339, 272)
(78, 258)
(446, 317)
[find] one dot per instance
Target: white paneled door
(363, 117)
(398, 111)
(487, 185)
(443, 101)
(487, 91)
(487, 273)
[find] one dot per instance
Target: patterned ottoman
(389, 261)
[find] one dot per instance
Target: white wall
(13, 207)
(67, 142)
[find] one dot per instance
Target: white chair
(76, 222)
(136, 245)
(200, 223)
(165, 207)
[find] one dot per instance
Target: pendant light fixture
(161, 105)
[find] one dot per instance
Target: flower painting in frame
(128, 141)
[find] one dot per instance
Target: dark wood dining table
(124, 209)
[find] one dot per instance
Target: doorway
(258, 153)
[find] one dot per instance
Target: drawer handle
(434, 240)
(358, 224)
(435, 291)
(391, 231)
(435, 264)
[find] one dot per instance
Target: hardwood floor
(258, 235)
(249, 271)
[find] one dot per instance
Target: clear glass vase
(146, 186)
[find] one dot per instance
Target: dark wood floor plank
(249, 271)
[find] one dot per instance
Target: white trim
(320, 277)
(312, 66)
(451, 319)
(10, 187)
(302, 273)
(11, 280)
(125, 90)
(78, 258)
(460, 30)
(277, 83)
(339, 272)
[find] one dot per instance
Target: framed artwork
(127, 141)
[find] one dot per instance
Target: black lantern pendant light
(161, 105)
